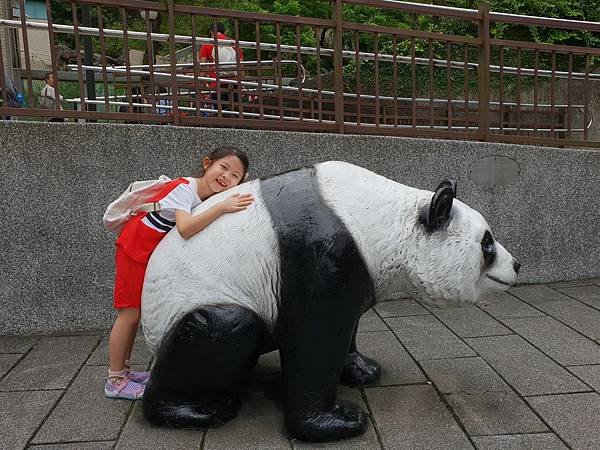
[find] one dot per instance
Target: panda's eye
(488, 248)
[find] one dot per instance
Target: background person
(227, 55)
(47, 98)
(14, 99)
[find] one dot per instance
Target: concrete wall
(57, 259)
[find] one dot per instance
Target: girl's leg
(129, 282)
(119, 385)
(122, 338)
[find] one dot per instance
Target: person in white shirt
(48, 97)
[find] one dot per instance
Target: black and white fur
(295, 271)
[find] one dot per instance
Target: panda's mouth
(497, 280)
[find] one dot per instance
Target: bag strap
(146, 207)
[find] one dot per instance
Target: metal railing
(353, 78)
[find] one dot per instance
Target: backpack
(227, 55)
(135, 200)
(45, 101)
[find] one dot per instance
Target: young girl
(224, 168)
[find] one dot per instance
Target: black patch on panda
(201, 367)
(488, 248)
(325, 287)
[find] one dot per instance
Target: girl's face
(224, 173)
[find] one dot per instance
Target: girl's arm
(188, 225)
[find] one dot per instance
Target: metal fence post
(338, 64)
(173, 60)
(88, 52)
(483, 71)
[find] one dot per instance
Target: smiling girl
(222, 169)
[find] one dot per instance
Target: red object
(207, 49)
(129, 281)
(134, 247)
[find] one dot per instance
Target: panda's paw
(359, 370)
(345, 420)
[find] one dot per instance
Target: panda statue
(294, 272)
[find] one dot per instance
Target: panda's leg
(201, 366)
(359, 369)
(315, 335)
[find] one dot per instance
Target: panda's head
(455, 258)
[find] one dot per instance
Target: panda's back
(235, 261)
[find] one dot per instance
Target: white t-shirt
(183, 197)
(49, 93)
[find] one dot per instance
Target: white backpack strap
(146, 207)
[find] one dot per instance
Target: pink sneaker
(138, 377)
(124, 389)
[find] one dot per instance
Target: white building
(13, 48)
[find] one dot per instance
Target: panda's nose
(516, 265)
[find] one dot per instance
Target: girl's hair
(222, 152)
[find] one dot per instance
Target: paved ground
(519, 371)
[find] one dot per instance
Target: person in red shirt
(225, 54)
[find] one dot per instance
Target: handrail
(550, 22)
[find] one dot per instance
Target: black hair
(48, 75)
(220, 28)
(222, 152)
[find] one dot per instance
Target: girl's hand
(236, 202)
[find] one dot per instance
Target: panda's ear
(438, 214)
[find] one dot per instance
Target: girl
(223, 169)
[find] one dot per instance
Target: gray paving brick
(470, 375)
(484, 403)
(578, 316)
(538, 293)
(370, 321)
(414, 417)
(258, 425)
(141, 355)
(506, 306)
(51, 364)
(557, 340)
(589, 374)
(20, 415)
(138, 433)
(524, 367)
(96, 445)
(400, 308)
(366, 441)
(7, 361)
(494, 413)
(425, 337)
(397, 367)
(84, 413)
(571, 283)
(543, 441)
(17, 344)
(470, 321)
(590, 295)
(574, 417)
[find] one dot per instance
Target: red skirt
(129, 280)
